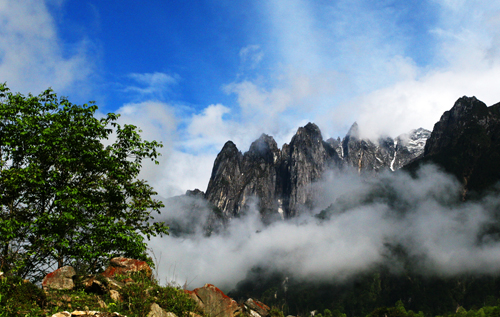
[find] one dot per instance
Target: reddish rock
(60, 279)
(260, 308)
(214, 302)
(125, 266)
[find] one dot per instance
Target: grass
(22, 298)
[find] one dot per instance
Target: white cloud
(350, 61)
(251, 56)
(157, 122)
(426, 219)
(32, 57)
(154, 85)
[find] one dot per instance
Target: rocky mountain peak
(465, 143)
(308, 132)
(229, 149)
(467, 113)
(264, 148)
(281, 179)
(467, 105)
(353, 131)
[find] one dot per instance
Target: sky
(194, 74)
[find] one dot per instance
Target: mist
(355, 224)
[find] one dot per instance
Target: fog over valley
(367, 219)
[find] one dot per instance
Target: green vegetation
(22, 298)
(65, 197)
(361, 294)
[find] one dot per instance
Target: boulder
(114, 284)
(213, 302)
(126, 266)
(94, 286)
(258, 307)
(115, 296)
(62, 314)
(86, 314)
(61, 278)
(157, 311)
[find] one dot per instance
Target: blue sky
(195, 74)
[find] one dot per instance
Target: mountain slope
(466, 143)
(278, 181)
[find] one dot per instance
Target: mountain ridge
(281, 179)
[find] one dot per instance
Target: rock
(115, 295)
(466, 143)
(60, 279)
(126, 266)
(85, 313)
(260, 308)
(157, 311)
(62, 314)
(215, 302)
(114, 284)
(196, 299)
(278, 182)
(94, 286)
(408, 147)
(101, 303)
(304, 162)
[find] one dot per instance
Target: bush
(20, 297)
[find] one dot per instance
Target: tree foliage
(65, 197)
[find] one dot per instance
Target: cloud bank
(424, 215)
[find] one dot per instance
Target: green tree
(65, 197)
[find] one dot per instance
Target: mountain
(466, 143)
(278, 181)
(384, 153)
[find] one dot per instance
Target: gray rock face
(382, 154)
(409, 147)
(237, 179)
(304, 161)
(224, 188)
(466, 143)
(278, 181)
(366, 155)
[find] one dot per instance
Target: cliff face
(304, 161)
(278, 181)
(225, 192)
(273, 179)
(466, 143)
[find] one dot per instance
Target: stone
(126, 266)
(260, 308)
(215, 302)
(157, 311)
(114, 284)
(115, 296)
(94, 286)
(62, 314)
(85, 313)
(101, 303)
(60, 279)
